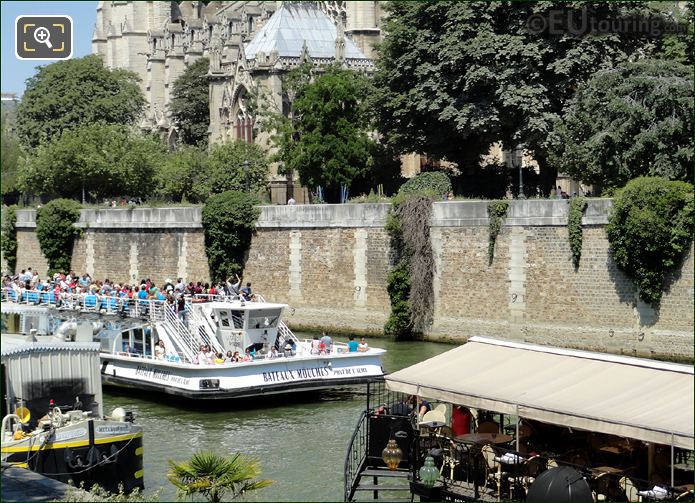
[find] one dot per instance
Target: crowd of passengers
(61, 284)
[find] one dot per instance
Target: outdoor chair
(493, 470)
(526, 475)
(629, 489)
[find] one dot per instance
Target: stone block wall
(329, 264)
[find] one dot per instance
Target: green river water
(301, 445)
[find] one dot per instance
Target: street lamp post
(245, 167)
(517, 162)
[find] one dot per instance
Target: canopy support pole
(672, 456)
(517, 428)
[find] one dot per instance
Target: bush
(56, 232)
(430, 183)
(229, 220)
(9, 239)
(650, 229)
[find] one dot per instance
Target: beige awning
(630, 397)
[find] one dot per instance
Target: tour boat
(53, 421)
(129, 330)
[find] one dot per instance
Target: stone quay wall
(329, 263)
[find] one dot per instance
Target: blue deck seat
(90, 301)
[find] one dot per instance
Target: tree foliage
(229, 220)
(224, 170)
(109, 160)
(496, 212)
(56, 232)
(650, 229)
(454, 77)
(190, 103)
(9, 238)
(634, 120)
(181, 172)
(327, 142)
(213, 476)
(12, 156)
(71, 93)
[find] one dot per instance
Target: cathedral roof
(295, 24)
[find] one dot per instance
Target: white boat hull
(241, 380)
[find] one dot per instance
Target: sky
(15, 72)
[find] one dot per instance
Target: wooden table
(598, 470)
(484, 438)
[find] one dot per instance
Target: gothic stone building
(250, 44)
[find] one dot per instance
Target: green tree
(225, 170)
(12, 158)
(180, 172)
(229, 220)
(56, 233)
(328, 144)
(650, 229)
(75, 92)
(634, 120)
(101, 160)
(454, 77)
(213, 476)
(190, 103)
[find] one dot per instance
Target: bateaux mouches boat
(53, 421)
(279, 362)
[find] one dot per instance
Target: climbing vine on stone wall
(496, 211)
(650, 229)
(229, 220)
(574, 228)
(409, 282)
(56, 232)
(9, 238)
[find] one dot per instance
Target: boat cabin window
(231, 319)
(137, 341)
(268, 319)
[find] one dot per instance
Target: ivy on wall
(56, 233)
(409, 283)
(496, 211)
(650, 229)
(9, 238)
(574, 228)
(229, 220)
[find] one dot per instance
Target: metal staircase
(365, 475)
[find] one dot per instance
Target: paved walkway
(19, 484)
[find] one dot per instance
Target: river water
(301, 446)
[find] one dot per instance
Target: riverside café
(625, 424)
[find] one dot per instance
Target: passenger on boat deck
(247, 294)
(201, 357)
(233, 288)
(236, 357)
(363, 346)
(272, 354)
(219, 358)
(315, 346)
(248, 357)
(210, 354)
(159, 350)
(229, 358)
(326, 343)
(290, 347)
(352, 345)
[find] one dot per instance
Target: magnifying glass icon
(43, 36)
